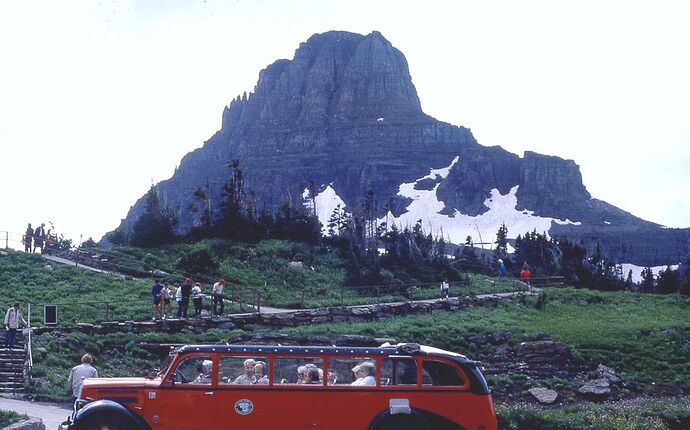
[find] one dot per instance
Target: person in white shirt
(364, 372)
(197, 299)
(78, 373)
(13, 317)
(217, 294)
(247, 378)
(444, 289)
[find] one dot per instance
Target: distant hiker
(165, 298)
(156, 308)
(13, 318)
(526, 276)
(217, 294)
(197, 298)
(28, 238)
(78, 373)
(186, 293)
(39, 235)
(501, 269)
(444, 289)
(178, 299)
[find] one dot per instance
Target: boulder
(596, 387)
(544, 395)
(608, 373)
(543, 352)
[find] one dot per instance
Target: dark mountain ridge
(344, 113)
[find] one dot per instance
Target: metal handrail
(29, 344)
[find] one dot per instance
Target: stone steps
(12, 363)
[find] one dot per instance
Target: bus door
(187, 400)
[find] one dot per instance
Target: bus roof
(403, 349)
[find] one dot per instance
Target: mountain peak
(334, 77)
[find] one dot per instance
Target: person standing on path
(526, 276)
(217, 294)
(39, 234)
(13, 318)
(501, 269)
(444, 289)
(186, 289)
(157, 307)
(165, 298)
(78, 373)
(197, 298)
(28, 237)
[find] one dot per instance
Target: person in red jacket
(526, 276)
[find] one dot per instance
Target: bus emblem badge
(244, 407)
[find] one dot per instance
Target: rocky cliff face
(344, 113)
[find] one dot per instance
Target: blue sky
(99, 99)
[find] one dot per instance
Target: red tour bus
(401, 387)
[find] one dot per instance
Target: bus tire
(107, 421)
(402, 424)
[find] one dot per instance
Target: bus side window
(355, 371)
(399, 371)
(438, 373)
(243, 370)
(301, 370)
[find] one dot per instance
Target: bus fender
(411, 415)
(101, 407)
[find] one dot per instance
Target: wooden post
(258, 302)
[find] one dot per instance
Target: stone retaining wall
(336, 314)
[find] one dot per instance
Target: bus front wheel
(402, 424)
(105, 422)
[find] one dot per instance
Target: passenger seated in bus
(204, 376)
(247, 378)
(302, 375)
(332, 377)
(313, 376)
(261, 378)
(364, 372)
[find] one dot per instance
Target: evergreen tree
(501, 250)
(668, 281)
(647, 282)
(156, 226)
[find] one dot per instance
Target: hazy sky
(99, 99)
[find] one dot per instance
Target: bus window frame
(452, 364)
(168, 381)
(290, 385)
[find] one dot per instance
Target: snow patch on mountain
(326, 202)
(637, 271)
(456, 227)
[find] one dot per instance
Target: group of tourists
(525, 277)
(36, 237)
(188, 290)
